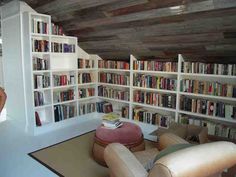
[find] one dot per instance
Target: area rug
(73, 158)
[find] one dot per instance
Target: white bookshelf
(19, 76)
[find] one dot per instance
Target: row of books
(60, 80)
(56, 30)
(40, 63)
(150, 117)
(208, 88)
(104, 107)
(113, 78)
(59, 96)
(39, 26)
(148, 81)
(113, 64)
(62, 112)
(38, 98)
(214, 129)
(84, 63)
(211, 108)
(87, 108)
(85, 78)
(155, 99)
(86, 92)
(113, 93)
(62, 47)
(155, 66)
(41, 81)
(40, 45)
(209, 68)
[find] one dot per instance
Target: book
(37, 119)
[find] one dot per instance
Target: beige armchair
(187, 132)
(205, 160)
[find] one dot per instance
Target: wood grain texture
(203, 29)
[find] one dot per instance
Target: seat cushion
(128, 133)
(145, 156)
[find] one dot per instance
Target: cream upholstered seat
(205, 160)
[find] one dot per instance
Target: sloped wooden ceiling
(148, 28)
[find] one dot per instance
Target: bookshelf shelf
(64, 102)
(208, 117)
(154, 107)
(39, 35)
(230, 99)
(155, 72)
(87, 84)
(40, 53)
(87, 98)
(112, 70)
(64, 86)
(154, 90)
(43, 89)
(42, 107)
(194, 75)
(87, 69)
(41, 71)
(115, 100)
(113, 85)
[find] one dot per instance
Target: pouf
(128, 134)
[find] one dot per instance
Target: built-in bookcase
(161, 92)
(52, 82)
(61, 89)
(208, 96)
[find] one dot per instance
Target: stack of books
(111, 121)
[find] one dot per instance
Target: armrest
(197, 161)
(168, 139)
(122, 163)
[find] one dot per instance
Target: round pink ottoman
(128, 134)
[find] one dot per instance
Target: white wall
(1, 73)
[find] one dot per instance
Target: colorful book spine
(113, 93)
(155, 66)
(40, 63)
(63, 79)
(62, 112)
(40, 45)
(86, 92)
(62, 47)
(41, 81)
(155, 82)
(39, 26)
(113, 78)
(83, 63)
(142, 115)
(209, 68)
(86, 108)
(60, 96)
(207, 107)
(85, 78)
(108, 64)
(155, 99)
(208, 88)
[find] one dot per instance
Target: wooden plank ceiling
(200, 29)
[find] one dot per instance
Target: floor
(15, 146)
